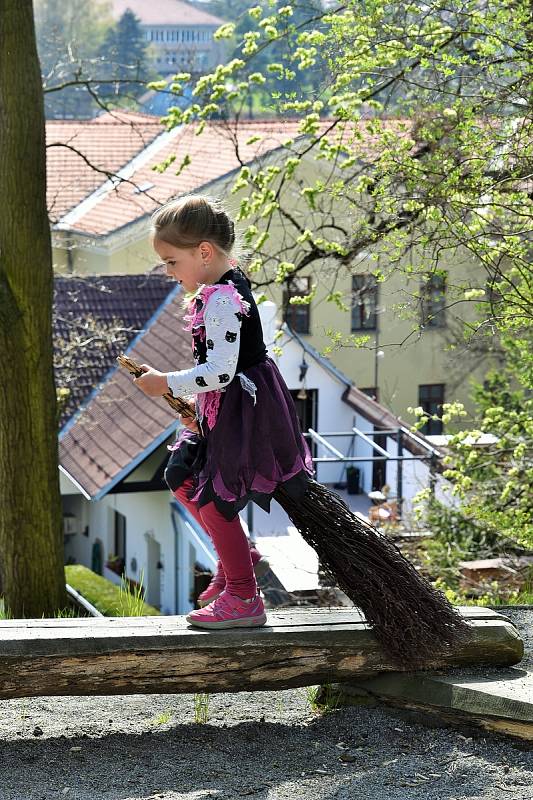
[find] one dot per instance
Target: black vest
(252, 348)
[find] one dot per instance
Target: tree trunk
(31, 540)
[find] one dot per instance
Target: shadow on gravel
(363, 753)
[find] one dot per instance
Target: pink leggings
(230, 542)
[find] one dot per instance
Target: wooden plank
(334, 615)
(130, 655)
(498, 700)
(120, 627)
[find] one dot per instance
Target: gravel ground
(265, 745)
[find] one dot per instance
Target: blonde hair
(194, 218)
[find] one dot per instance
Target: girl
(247, 438)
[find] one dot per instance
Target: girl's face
(185, 264)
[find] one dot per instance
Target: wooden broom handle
(177, 403)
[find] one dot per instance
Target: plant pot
(353, 477)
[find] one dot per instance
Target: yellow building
(401, 364)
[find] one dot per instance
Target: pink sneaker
(261, 564)
(218, 581)
(229, 611)
(215, 586)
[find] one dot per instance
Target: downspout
(176, 544)
(70, 253)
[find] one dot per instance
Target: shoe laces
(222, 601)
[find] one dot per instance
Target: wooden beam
(496, 700)
(131, 655)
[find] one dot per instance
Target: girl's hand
(190, 422)
(153, 383)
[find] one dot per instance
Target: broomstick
(177, 403)
(414, 623)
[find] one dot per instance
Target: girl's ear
(206, 250)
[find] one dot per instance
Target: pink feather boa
(209, 402)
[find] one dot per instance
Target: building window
(371, 391)
(120, 536)
(431, 398)
(364, 302)
(432, 293)
(307, 413)
(296, 315)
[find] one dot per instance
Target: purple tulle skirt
(250, 451)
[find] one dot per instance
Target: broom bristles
(413, 622)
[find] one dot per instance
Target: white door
(153, 578)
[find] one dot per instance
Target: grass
(495, 595)
(5, 612)
(201, 707)
(163, 718)
(322, 699)
(111, 600)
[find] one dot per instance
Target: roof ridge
(128, 169)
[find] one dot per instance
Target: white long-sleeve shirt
(222, 336)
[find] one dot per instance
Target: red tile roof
(165, 12)
(120, 423)
(107, 142)
(104, 314)
(213, 155)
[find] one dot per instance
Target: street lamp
(377, 354)
(304, 366)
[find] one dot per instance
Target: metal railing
(382, 455)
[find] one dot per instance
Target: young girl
(249, 438)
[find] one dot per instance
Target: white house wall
(147, 515)
(364, 450)
(333, 413)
